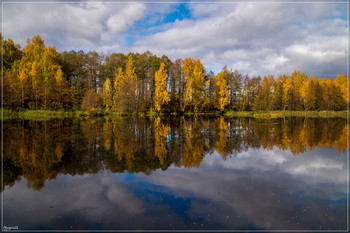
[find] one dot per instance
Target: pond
(175, 173)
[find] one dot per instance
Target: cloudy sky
(256, 38)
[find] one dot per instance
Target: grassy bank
(279, 114)
(69, 114)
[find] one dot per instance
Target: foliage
(160, 96)
(38, 77)
(222, 87)
(91, 101)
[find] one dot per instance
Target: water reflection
(40, 150)
(176, 173)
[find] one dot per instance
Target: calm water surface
(175, 173)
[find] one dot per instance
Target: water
(175, 174)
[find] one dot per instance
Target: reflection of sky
(258, 189)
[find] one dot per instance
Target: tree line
(38, 77)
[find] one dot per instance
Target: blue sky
(256, 38)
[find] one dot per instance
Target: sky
(255, 38)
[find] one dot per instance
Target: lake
(175, 173)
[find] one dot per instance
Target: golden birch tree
(222, 87)
(161, 96)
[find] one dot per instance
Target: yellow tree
(107, 94)
(308, 94)
(22, 83)
(128, 88)
(41, 64)
(119, 77)
(221, 85)
(195, 96)
(161, 96)
(34, 73)
(342, 81)
(60, 85)
(264, 100)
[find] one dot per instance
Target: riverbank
(269, 114)
(279, 114)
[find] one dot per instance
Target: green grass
(239, 113)
(279, 114)
(39, 114)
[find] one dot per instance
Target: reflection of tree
(39, 150)
(160, 133)
(36, 152)
(195, 143)
(222, 139)
(125, 144)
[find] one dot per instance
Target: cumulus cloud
(80, 25)
(259, 38)
(255, 38)
(119, 23)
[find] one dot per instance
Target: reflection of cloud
(257, 189)
(81, 197)
(264, 191)
(119, 195)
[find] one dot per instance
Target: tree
(234, 81)
(107, 94)
(177, 86)
(222, 87)
(161, 96)
(342, 82)
(40, 76)
(127, 88)
(119, 77)
(265, 94)
(277, 98)
(91, 101)
(22, 83)
(309, 94)
(195, 96)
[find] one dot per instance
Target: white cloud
(87, 25)
(119, 23)
(255, 38)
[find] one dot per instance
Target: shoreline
(103, 113)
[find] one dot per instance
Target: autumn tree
(250, 91)
(161, 96)
(309, 94)
(195, 97)
(107, 94)
(127, 88)
(265, 94)
(342, 82)
(40, 76)
(91, 101)
(235, 85)
(222, 87)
